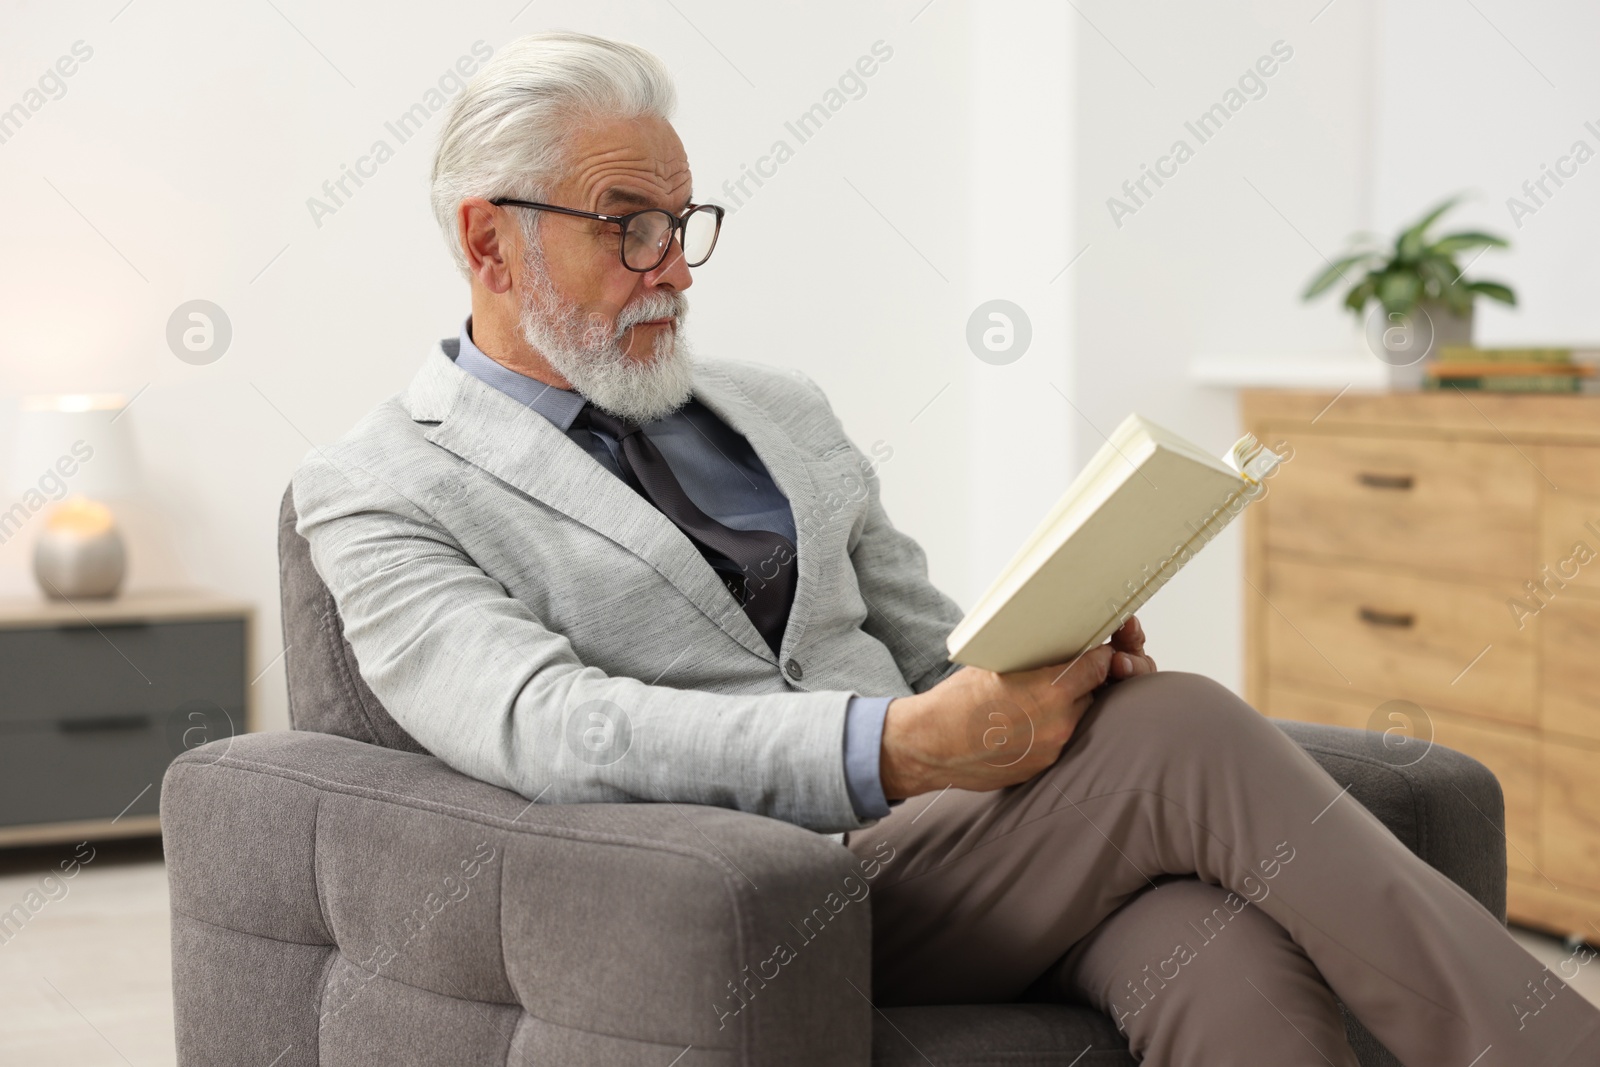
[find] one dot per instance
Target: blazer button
(792, 669)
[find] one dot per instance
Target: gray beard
(588, 352)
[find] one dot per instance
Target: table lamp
(71, 453)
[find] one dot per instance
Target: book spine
(1471, 354)
(1520, 383)
(1503, 370)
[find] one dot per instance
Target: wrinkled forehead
(622, 166)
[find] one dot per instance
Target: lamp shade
(73, 443)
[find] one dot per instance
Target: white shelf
(1288, 370)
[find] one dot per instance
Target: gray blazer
(536, 624)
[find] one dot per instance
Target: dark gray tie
(758, 566)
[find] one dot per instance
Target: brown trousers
(1190, 871)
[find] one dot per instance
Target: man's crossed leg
(1171, 774)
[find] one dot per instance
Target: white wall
(1213, 260)
(178, 163)
(1019, 156)
(1481, 103)
(1384, 109)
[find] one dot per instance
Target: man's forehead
(632, 164)
(633, 198)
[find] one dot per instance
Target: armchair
(340, 897)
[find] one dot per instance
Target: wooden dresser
(1430, 563)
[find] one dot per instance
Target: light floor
(86, 981)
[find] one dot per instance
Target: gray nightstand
(97, 697)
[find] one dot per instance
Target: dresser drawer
(1570, 668)
(90, 672)
(1397, 636)
(1447, 505)
(1571, 814)
(1569, 521)
(1512, 754)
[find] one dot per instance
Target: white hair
(507, 133)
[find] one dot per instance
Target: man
(578, 563)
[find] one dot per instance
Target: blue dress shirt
(725, 478)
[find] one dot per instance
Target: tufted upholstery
(362, 905)
(340, 898)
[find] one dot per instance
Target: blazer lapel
(487, 428)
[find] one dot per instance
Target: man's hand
(1128, 641)
(979, 730)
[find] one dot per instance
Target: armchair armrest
(334, 902)
(1445, 806)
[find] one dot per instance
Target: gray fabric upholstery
(326, 691)
(987, 1035)
(320, 902)
(346, 900)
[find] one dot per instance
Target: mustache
(657, 305)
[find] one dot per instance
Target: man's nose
(672, 272)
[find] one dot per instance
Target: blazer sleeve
(905, 610)
(479, 681)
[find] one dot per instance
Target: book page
(1080, 578)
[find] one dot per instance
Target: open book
(1141, 509)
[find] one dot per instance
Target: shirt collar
(560, 406)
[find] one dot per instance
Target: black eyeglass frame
(679, 227)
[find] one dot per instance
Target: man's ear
(489, 241)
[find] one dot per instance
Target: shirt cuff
(863, 747)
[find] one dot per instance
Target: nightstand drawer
(90, 672)
(90, 770)
(1441, 505)
(1397, 636)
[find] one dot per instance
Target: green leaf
(1357, 298)
(1494, 291)
(1335, 272)
(1461, 242)
(1438, 273)
(1411, 239)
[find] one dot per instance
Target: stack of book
(1509, 370)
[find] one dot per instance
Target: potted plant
(1417, 285)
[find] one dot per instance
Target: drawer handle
(103, 724)
(1400, 620)
(1385, 481)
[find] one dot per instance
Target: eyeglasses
(647, 235)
